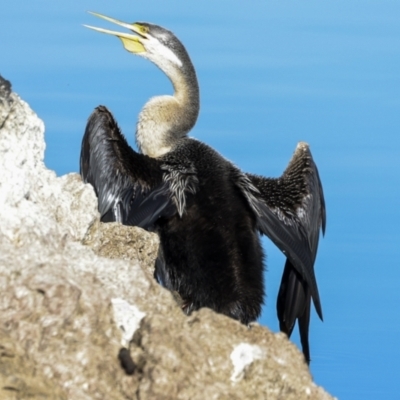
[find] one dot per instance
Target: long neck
(164, 120)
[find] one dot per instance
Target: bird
(208, 213)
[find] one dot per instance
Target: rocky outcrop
(74, 292)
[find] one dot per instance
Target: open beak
(132, 43)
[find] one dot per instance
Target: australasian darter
(207, 212)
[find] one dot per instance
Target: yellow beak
(132, 43)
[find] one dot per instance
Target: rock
(79, 300)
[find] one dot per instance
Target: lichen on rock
(60, 269)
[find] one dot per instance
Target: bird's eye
(143, 29)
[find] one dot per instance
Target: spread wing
(291, 212)
(129, 185)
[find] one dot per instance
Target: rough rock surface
(73, 291)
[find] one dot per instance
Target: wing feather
(129, 185)
(291, 211)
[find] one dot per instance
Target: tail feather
(294, 302)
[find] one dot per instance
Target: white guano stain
(128, 318)
(242, 356)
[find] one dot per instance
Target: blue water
(271, 74)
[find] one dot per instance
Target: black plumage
(206, 211)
